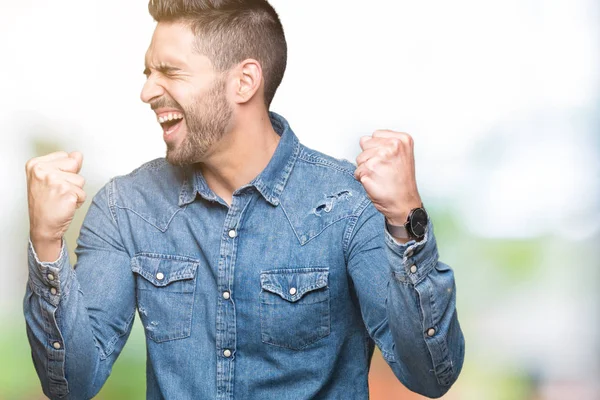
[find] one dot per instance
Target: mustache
(165, 103)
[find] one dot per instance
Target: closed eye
(164, 69)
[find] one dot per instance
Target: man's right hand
(54, 192)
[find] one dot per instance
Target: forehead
(174, 43)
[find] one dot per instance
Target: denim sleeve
(78, 319)
(408, 303)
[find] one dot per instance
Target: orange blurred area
(383, 384)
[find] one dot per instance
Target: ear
(248, 81)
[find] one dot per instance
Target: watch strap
(403, 231)
(397, 231)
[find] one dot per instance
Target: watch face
(418, 222)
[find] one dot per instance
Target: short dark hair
(230, 31)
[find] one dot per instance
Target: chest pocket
(294, 307)
(165, 288)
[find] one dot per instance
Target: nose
(151, 90)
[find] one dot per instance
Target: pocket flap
(160, 270)
(292, 284)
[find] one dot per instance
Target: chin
(175, 157)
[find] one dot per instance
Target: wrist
(400, 239)
(397, 221)
(43, 238)
(413, 226)
(40, 231)
(400, 217)
(47, 249)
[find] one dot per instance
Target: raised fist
(54, 192)
(386, 169)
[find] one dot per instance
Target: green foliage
(517, 259)
(18, 379)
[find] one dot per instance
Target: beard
(207, 120)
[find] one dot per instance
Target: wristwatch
(415, 226)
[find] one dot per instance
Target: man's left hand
(386, 169)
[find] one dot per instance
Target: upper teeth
(170, 117)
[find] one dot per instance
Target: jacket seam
(112, 203)
(110, 347)
(312, 158)
(362, 206)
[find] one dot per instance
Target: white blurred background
(501, 97)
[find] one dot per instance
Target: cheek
(180, 93)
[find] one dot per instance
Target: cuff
(49, 279)
(412, 260)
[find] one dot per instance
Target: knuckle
(37, 170)
(359, 172)
(71, 164)
(64, 186)
(395, 145)
(30, 164)
(370, 165)
(406, 138)
(51, 178)
(72, 199)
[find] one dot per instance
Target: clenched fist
(54, 192)
(386, 169)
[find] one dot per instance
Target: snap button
(431, 332)
(227, 353)
(56, 345)
(413, 269)
(160, 276)
(293, 291)
(232, 233)
(50, 277)
(226, 295)
(53, 291)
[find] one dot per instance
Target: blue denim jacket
(282, 295)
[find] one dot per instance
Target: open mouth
(170, 122)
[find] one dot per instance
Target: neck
(241, 155)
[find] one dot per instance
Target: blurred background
(501, 96)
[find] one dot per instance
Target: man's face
(186, 93)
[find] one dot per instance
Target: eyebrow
(162, 68)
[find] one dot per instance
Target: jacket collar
(270, 183)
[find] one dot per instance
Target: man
(261, 269)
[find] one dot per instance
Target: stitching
(313, 158)
(357, 213)
(290, 222)
(266, 338)
(111, 189)
(111, 343)
(287, 170)
(302, 239)
(151, 223)
(167, 257)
